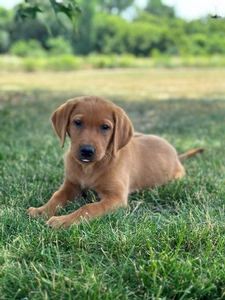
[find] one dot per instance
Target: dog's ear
(123, 130)
(60, 118)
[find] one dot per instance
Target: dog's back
(153, 161)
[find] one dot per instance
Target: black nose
(87, 151)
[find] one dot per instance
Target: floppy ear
(123, 130)
(60, 118)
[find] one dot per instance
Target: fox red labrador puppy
(106, 156)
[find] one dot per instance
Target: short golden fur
(106, 156)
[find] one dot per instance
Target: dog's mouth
(86, 154)
(86, 160)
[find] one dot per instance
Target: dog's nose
(87, 151)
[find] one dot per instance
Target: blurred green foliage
(103, 28)
(27, 48)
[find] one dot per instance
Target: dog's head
(95, 126)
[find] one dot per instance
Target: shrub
(111, 32)
(32, 64)
(62, 63)
(102, 61)
(127, 61)
(59, 46)
(28, 48)
(4, 41)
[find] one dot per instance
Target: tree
(29, 9)
(5, 26)
(84, 38)
(4, 41)
(111, 32)
(114, 6)
(156, 7)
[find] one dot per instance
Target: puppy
(106, 156)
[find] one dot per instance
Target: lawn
(168, 244)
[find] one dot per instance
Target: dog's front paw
(37, 212)
(59, 222)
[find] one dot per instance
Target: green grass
(169, 243)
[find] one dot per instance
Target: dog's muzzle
(86, 153)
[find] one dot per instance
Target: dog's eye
(78, 123)
(105, 127)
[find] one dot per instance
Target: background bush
(27, 48)
(58, 46)
(96, 61)
(62, 63)
(4, 41)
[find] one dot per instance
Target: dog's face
(95, 126)
(90, 129)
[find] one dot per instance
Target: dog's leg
(108, 204)
(67, 192)
(180, 171)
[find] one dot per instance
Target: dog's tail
(191, 153)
